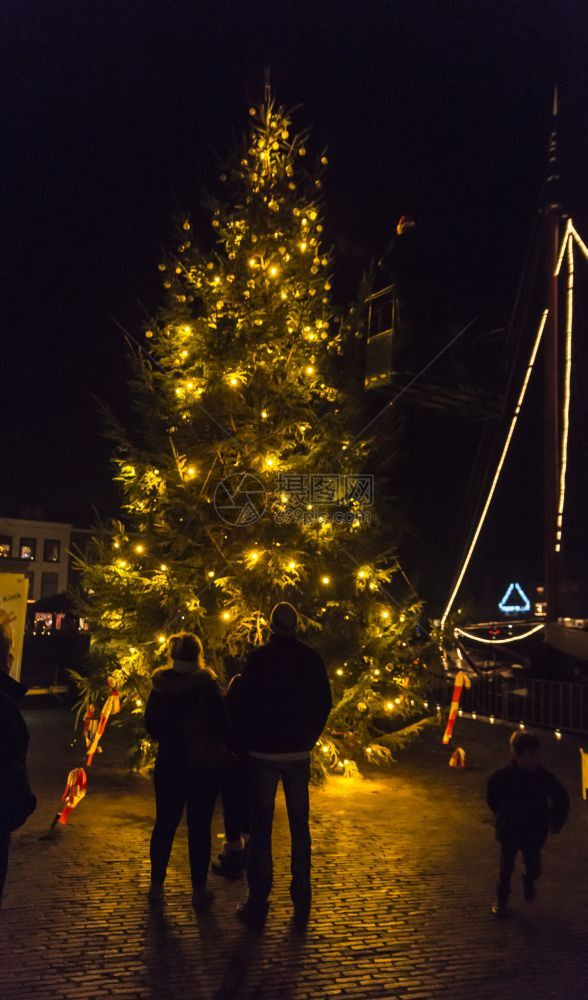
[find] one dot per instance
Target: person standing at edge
(185, 712)
(17, 802)
(527, 801)
(279, 708)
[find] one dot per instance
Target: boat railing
(557, 705)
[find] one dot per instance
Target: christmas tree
(246, 479)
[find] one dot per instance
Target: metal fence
(554, 704)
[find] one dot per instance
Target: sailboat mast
(551, 373)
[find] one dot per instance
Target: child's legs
(508, 854)
(532, 861)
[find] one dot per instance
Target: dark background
(113, 113)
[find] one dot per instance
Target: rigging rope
(567, 250)
(516, 325)
(501, 462)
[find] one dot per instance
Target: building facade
(40, 550)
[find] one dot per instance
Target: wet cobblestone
(404, 867)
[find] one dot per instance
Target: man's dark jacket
(14, 742)
(281, 701)
(176, 699)
(526, 804)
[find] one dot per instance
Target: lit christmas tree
(244, 482)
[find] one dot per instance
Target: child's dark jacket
(526, 804)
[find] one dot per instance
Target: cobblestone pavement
(404, 870)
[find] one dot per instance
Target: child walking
(527, 801)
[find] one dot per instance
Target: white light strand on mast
(579, 241)
(569, 228)
(499, 467)
(567, 393)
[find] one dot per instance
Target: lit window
(5, 546)
(28, 548)
(51, 550)
(43, 623)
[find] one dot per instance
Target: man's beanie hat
(284, 619)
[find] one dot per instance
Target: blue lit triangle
(515, 600)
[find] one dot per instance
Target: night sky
(113, 117)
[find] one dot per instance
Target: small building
(40, 550)
(56, 639)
